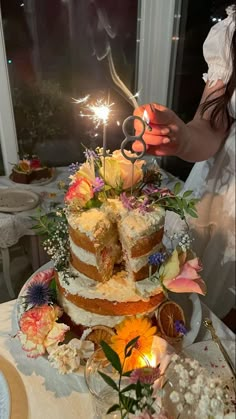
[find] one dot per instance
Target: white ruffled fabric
(213, 182)
(216, 50)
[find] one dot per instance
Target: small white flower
(180, 407)
(174, 396)
(189, 397)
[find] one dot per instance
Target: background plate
(16, 200)
(4, 398)
(191, 306)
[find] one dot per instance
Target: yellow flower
(112, 176)
(129, 329)
(87, 171)
(118, 170)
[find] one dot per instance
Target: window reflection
(57, 51)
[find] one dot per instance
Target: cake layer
(113, 308)
(91, 228)
(146, 244)
(86, 269)
(118, 296)
(86, 318)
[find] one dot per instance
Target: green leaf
(177, 188)
(187, 193)
(128, 388)
(138, 390)
(109, 380)
(112, 356)
(192, 213)
(127, 373)
(127, 402)
(130, 345)
(113, 408)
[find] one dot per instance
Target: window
(57, 51)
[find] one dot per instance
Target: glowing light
(118, 123)
(101, 112)
(97, 112)
(146, 117)
(9, 61)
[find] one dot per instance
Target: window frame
(8, 137)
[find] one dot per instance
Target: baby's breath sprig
(53, 228)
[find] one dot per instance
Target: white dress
(213, 181)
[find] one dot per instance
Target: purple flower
(74, 167)
(144, 206)
(90, 154)
(129, 203)
(146, 375)
(157, 258)
(150, 189)
(180, 327)
(38, 294)
(98, 184)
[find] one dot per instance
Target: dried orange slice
(168, 313)
(99, 333)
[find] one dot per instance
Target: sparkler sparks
(97, 112)
(81, 100)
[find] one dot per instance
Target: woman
(210, 140)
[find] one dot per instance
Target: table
(16, 225)
(54, 396)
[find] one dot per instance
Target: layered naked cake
(109, 251)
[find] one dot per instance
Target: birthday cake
(110, 264)
(110, 244)
(30, 170)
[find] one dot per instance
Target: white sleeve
(216, 51)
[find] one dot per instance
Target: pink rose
(39, 330)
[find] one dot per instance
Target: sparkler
(98, 112)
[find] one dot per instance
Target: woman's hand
(168, 132)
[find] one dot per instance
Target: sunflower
(127, 330)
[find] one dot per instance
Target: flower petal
(170, 269)
(181, 284)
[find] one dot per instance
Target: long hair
(219, 105)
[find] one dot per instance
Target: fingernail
(165, 131)
(166, 140)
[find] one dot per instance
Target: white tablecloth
(14, 226)
(51, 395)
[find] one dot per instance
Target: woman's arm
(195, 141)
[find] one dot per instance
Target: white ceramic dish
(191, 306)
(16, 200)
(5, 401)
(211, 358)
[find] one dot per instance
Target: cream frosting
(86, 318)
(93, 223)
(134, 225)
(83, 255)
(135, 264)
(120, 287)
